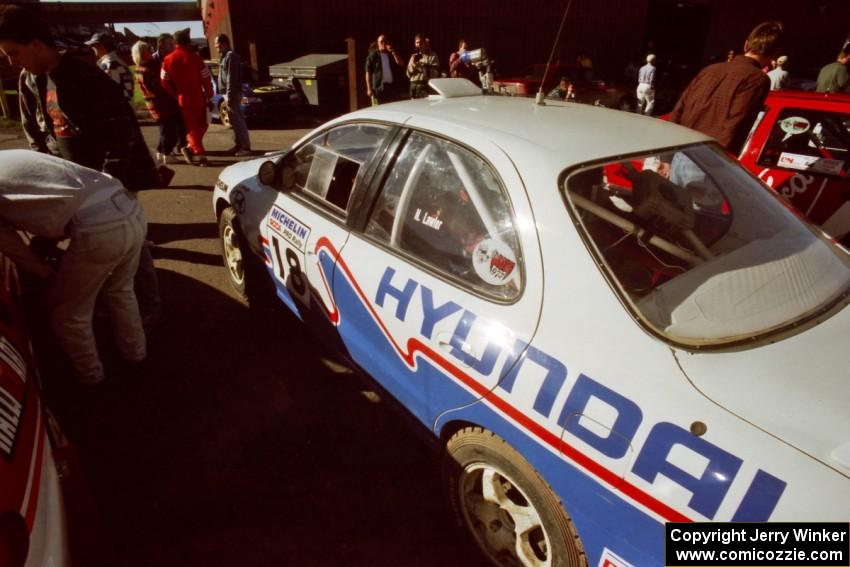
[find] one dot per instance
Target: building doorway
(676, 31)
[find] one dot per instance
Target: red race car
(800, 146)
(32, 449)
(588, 89)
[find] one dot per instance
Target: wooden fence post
(352, 74)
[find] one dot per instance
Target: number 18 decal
(288, 237)
(288, 268)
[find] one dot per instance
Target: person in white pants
(53, 198)
(646, 86)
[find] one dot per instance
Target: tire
(224, 114)
(511, 513)
(247, 275)
(233, 252)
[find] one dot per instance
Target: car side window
(328, 166)
(809, 140)
(445, 206)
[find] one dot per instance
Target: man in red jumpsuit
(185, 77)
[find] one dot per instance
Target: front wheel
(232, 251)
(513, 515)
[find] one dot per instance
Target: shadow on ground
(161, 233)
(234, 445)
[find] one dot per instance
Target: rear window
(702, 253)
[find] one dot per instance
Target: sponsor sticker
(810, 163)
(794, 125)
(289, 228)
(431, 220)
(494, 261)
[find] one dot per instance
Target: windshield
(702, 251)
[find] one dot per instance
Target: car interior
(701, 251)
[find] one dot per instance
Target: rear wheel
(513, 515)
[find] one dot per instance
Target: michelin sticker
(794, 125)
(810, 163)
(494, 261)
(289, 228)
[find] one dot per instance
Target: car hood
(797, 389)
(241, 171)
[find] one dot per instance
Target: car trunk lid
(797, 389)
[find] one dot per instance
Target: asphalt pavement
(235, 444)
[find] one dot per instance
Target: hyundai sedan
(591, 358)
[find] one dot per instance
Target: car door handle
(444, 341)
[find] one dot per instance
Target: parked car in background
(262, 102)
(592, 359)
(800, 146)
(588, 89)
(32, 448)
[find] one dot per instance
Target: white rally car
(604, 321)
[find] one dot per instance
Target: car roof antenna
(539, 99)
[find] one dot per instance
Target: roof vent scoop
(454, 88)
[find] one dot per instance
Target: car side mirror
(267, 175)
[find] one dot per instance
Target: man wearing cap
(107, 59)
(778, 75)
(646, 86)
(50, 197)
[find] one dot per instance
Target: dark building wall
(815, 29)
(613, 32)
(514, 34)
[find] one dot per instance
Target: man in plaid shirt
(725, 98)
